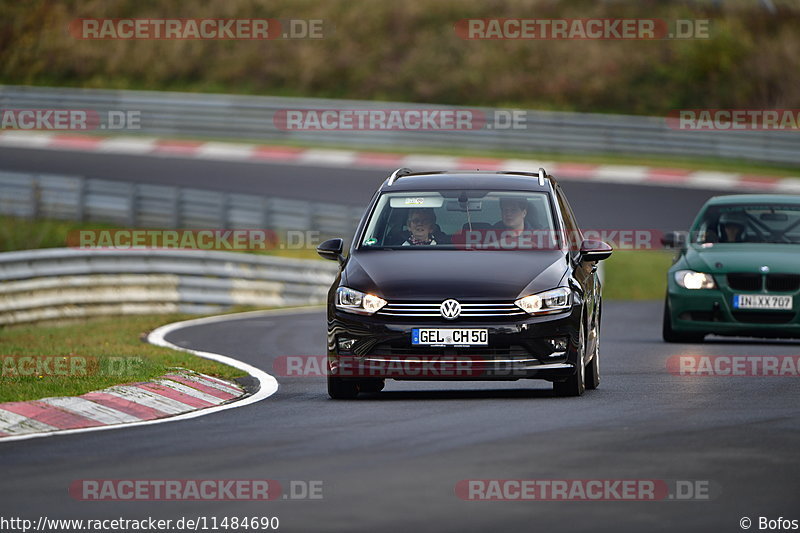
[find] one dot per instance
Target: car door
(585, 273)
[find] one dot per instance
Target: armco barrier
(251, 117)
(160, 206)
(63, 283)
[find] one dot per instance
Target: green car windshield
(778, 224)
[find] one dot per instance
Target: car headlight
(689, 279)
(354, 301)
(546, 302)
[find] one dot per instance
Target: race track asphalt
(391, 461)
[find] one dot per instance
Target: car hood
(442, 274)
(743, 257)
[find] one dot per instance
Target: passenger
(423, 229)
(514, 212)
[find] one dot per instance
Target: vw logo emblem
(765, 269)
(450, 309)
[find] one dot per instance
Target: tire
(371, 385)
(575, 385)
(342, 389)
(670, 335)
(592, 378)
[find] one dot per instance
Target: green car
(737, 271)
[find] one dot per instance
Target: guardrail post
(81, 204)
(36, 197)
(132, 205)
(176, 208)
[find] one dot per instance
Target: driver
(422, 228)
(732, 227)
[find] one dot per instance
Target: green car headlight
(689, 279)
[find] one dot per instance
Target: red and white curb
(179, 392)
(177, 396)
(228, 151)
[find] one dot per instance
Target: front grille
(758, 317)
(468, 310)
(783, 282)
(774, 282)
(744, 282)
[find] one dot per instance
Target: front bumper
(517, 348)
(711, 311)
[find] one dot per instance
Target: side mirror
(674, 239)
(592, 250)
(331, 249)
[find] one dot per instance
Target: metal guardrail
(63, 283)
(67, 283)
(160, 206)
(251, 117)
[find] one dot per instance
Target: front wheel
(592, 380)
(575, 385)
(371, 385)
(342, 389)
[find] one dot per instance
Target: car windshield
(461, 219)
(779, 224)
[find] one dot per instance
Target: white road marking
(127, 145)
(705, 179)
(328, 157)
(26, 139)
(620, 173)
(225, 151)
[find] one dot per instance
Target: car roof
(463, 179)
(736, 199)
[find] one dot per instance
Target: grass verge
(31, 234)
(636, 275)
(113, 351)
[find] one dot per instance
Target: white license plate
(440, 336)
(762, 301)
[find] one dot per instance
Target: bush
(408, 51)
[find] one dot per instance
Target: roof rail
(542, 175)
(397, 174)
